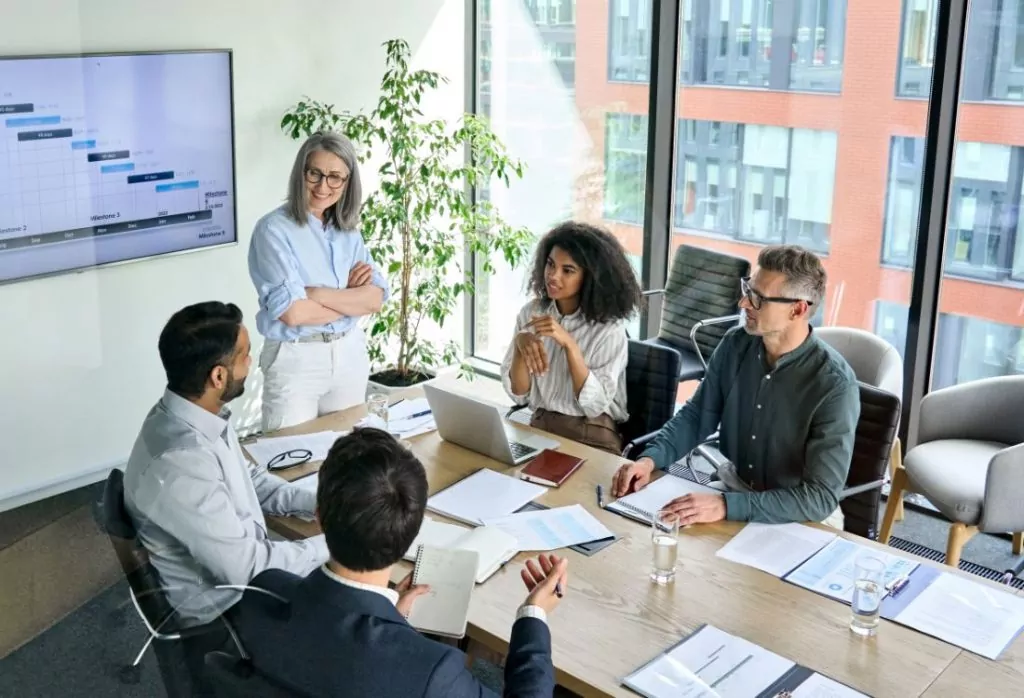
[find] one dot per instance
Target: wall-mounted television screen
(106, 158)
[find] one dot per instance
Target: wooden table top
(613, 619)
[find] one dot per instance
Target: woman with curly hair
(568, 358)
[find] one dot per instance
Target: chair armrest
(515, 408)
(860, 489)
(653, 292)
(631, 450)
(704, 323)
(1004, 491)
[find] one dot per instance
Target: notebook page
(655, 496)
(451, 575)
(437, 534)
(484, 494)
(494, 547)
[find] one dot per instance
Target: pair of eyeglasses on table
(290, 459)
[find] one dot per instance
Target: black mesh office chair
(146, 592)
(701, 303)
(235, 678)
(861, 499)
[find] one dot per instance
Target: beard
(233, 389)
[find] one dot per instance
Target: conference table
(613, 619)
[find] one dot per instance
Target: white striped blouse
(605, 350)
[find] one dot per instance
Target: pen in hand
(558, 590)
(600, 497)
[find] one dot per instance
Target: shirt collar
(553, 310)
(209, 425)
(791, 356)
(389, 594)
(320, 226)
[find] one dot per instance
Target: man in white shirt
(196, 501)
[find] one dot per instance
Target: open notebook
(493, 546)
(443, 610)
(641, 506)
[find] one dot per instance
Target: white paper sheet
(550, 529)
(818, 686)
(967, 614)
(406, 419)
(831, 570)
(484, 494)
(775, 549)
(710, 663)
(264, 450)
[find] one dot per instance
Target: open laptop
(479, 426)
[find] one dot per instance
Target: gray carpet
(82, 655)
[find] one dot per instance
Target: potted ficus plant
(422, 217)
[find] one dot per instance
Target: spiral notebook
(451, 575)
(641, 506)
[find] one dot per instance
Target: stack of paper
(319, 443)
(406, 419)
(484, 494)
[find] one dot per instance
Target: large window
(968, 348)
(994, 53)
(764, 184)
(983, 223)
(629, 41)
(584, 151)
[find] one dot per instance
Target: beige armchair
(969, 461)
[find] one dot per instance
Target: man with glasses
(784, 403)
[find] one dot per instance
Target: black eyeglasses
(289, 459)
(757, 299)
(334, 181)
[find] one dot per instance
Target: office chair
(236, 678)
(861, 498)
(701, 303)
(147, 594)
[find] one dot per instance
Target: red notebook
(551, 468)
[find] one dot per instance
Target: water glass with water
(665, 540)
(868, 591)
(377, 407)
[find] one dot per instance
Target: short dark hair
(370, 500)
(610, 290)
(195, 340)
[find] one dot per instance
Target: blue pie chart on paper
(835, 587)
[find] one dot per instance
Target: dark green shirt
(789, 429)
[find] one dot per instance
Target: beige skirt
(600, 432)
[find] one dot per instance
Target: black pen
(418, 414)
(600, 497)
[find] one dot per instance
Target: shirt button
(758, 407)
(767, 378)
(750, 466)
(753, 437)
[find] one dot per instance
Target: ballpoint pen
(600, 497)
(558, 590)
(418, 414)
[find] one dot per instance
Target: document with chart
(550, 529)
(831, 571)
(711, 663)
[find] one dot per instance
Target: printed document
(550, 529)
(775, 548)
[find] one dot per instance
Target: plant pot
(388, 381)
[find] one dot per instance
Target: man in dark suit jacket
(342, 632)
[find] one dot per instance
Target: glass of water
(377, 409)
(665, 540)
(868, 591)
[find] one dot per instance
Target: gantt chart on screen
(110, 158)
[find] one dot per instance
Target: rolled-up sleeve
(279, 497)
(274, 270)
(378, 279)
(506, 364)
(607, 364)
(195, 508)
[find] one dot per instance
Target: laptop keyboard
(520, 450)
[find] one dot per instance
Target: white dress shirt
(198, 505)
(605, 350)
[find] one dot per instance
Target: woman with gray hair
(315, 279)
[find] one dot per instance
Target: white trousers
(302, 381)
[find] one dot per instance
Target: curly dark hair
(610, 290)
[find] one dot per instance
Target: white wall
(78, 362)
